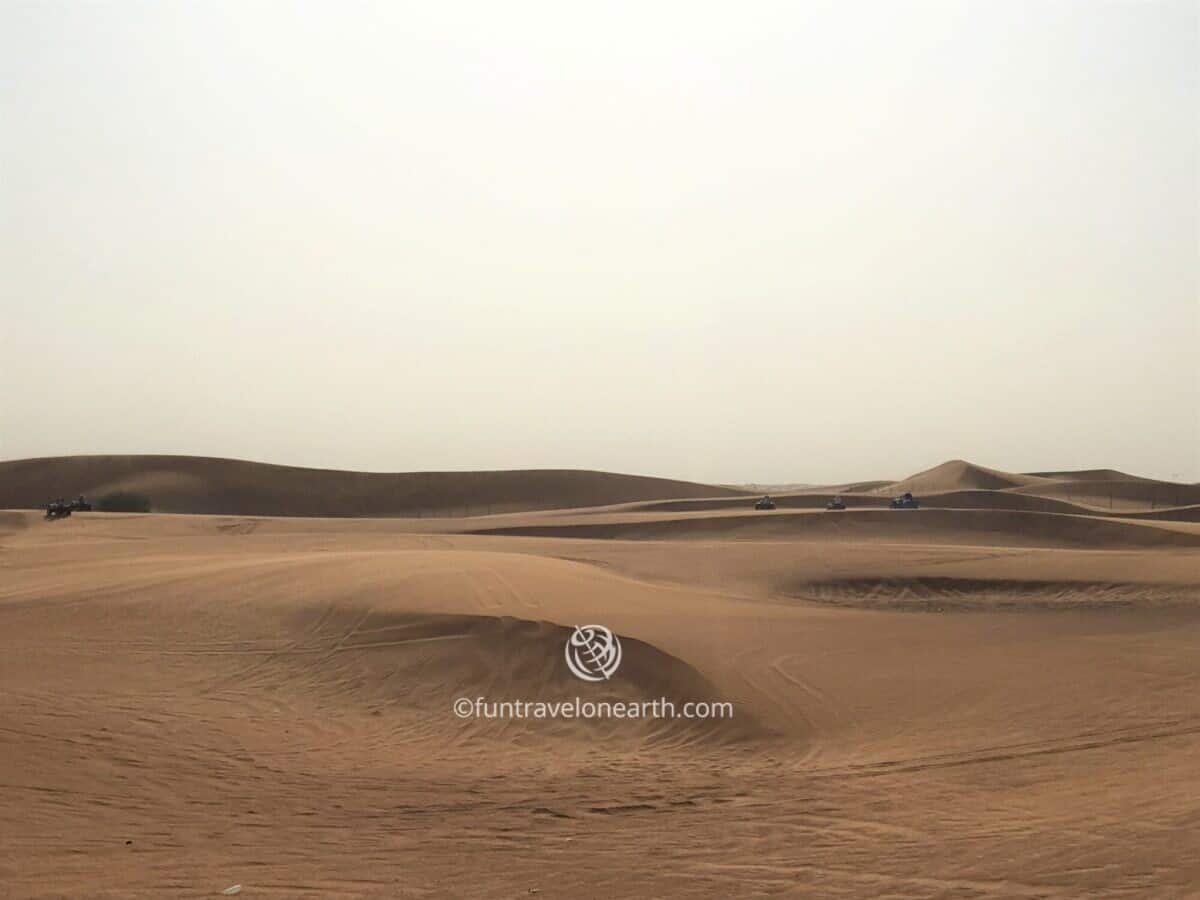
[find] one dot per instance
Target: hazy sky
(728, 242)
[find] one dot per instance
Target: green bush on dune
(124, 501)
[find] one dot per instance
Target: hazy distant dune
(237, 487)
(189, 484)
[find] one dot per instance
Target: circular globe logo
(593, 652)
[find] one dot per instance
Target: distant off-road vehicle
(764, 502)
(60, 508)
(907, 501)
(836, 503)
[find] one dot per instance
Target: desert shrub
(124, 501)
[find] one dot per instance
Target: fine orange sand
(994, 696)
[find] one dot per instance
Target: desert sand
(994, 696)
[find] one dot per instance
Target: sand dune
(416, 664)
(1129, 495)
(957, 475)
(1171, 514)
(188, 484)
(1092, 489)
(1089, 475)
(950, 702)
(983, 499)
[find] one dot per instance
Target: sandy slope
(1089, 475)
(949, 703)
(1126, 494)
(938, 526)
(1172, 514)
